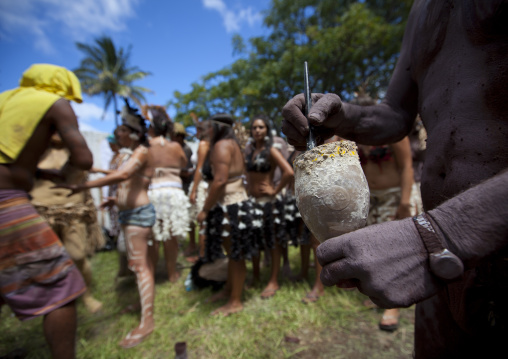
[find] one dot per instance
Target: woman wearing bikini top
(165, 191)
(227, 211)
(260, 165)
(136, 213)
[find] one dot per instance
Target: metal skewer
(311, 140)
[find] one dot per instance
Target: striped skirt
(37, 275)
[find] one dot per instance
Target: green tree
(348, 44)
(105, 71)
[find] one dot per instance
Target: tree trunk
(116, 110)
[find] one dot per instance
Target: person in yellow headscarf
(22, 108)
(37, 276)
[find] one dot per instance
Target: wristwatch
(443, 263)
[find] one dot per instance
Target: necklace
(125, 150)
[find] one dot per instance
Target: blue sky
(177, 41)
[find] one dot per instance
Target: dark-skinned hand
(387, 262)
(108, 202)
(74, 188)
(326, 114)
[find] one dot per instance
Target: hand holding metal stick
(311, 140)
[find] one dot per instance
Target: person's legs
(305, 259)
(123, 263)
(60, 331)
(171, 254)
(267, 257)
(225, 292)
(91, 304)
(318, 289)
(25, 234)
(236, 278)
(137, 249)
(73, 236)
(286, 268)
(153, 255)
(273, 284)
(192, 248)
(256, 270)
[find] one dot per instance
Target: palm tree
(105, 71)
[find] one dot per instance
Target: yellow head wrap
(21, 109)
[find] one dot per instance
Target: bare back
(165, 154)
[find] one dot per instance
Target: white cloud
(75, 18)
(231, 18)
(87, 112)
(85, 127)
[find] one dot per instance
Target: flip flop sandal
(389, 327)
(131, 340)
(310, 298)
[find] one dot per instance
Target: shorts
(143, 216)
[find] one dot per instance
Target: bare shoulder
(222, 149)
(141, 151)
(276, 155)
(176, 148)
(62, 116)
(175, 145)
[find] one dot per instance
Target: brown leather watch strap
(443, 263)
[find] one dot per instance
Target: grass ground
(336, 326)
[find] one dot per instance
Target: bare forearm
(197, 179)
(112, 178)
(284, 181)
(475, 222)
(100, 170)
(373, 125)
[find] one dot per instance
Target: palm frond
(105, 71)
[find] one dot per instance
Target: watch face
(446, 265)
(443, 263)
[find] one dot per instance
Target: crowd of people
(239, 195)
(437, 250)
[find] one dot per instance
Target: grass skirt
(172, 212)
(234, 221)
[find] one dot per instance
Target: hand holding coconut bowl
(387, 262)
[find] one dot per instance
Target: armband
(443, 263)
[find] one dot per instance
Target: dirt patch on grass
(359, 338)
